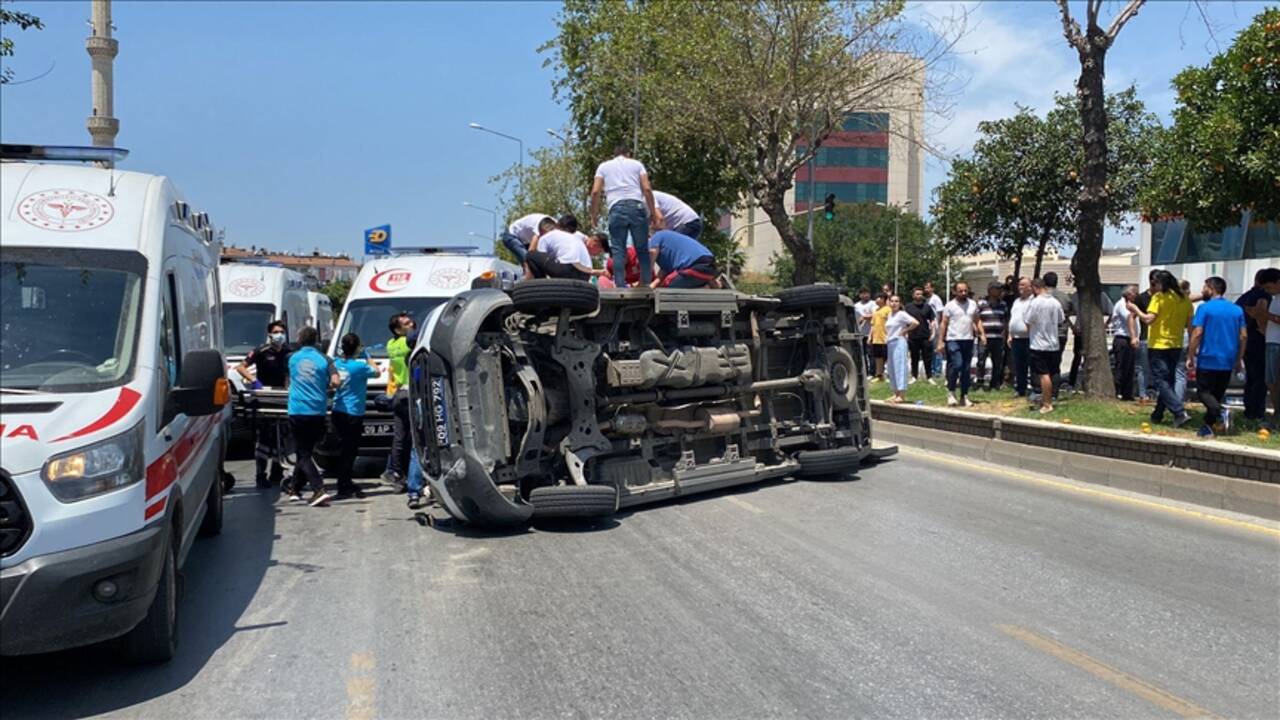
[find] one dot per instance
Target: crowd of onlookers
(1163, 339)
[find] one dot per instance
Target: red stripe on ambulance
(124, 403)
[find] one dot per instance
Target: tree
(337, 290)
(1020, 184)
(1091, 45)
(23, 21)
(856, 249)
(756, 86)
(1222, 154)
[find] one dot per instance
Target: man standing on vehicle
(401, 326)
(519, 234)
(677, 215)
(311, 375)
(625, 184)
(681, 261)
(556, 253)
(271, 360)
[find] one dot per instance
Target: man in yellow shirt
(1168, 317)
(879, 337)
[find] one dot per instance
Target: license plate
(439, 412)
(378, 429)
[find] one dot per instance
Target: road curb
(1261, 499)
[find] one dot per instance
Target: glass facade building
(852, 164)
(1173, 242)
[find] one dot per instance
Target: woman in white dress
(897, 328)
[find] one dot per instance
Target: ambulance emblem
(66, 210)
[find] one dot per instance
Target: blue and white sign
(377, 240)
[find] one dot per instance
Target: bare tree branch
(1125, 15)
(1070, 28)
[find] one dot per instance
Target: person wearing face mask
(271, 363)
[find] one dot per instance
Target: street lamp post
(494, 213)
(520, 178)
(897, 227)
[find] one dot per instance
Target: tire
(539, 296)
(828, 463)
(211, 525)
(155, 639)
(574, 501)
(808, 296)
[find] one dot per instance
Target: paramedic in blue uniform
(311, 376)
(355, 370)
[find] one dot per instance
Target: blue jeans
(1020, 349)
(959, 355)
(1142, 374)
(1164, 368)
(693, 229)
(629, 217)
(517, 248)
(1180, 377)
(937, 363)
(414, 481)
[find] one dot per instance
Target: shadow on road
(221, 577)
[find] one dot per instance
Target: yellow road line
(360, 687)
(1102, 671)
(744, 504)
(1149, 504)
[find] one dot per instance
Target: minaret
(102, 50)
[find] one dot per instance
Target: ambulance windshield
(244, 326)
(370, 319)
(69, 318)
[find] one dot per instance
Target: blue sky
(298, 124)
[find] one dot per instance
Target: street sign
(377, 240)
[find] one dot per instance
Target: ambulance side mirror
(202, 389)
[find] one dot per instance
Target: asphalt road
(922, 589)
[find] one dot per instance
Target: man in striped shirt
(993, 313)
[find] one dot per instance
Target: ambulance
(113, 401)
(253, 294)
(320, 315)
(414, 281)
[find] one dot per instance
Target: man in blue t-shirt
(682, 261)
(354, 370)
(1217, 349)
(311, 375)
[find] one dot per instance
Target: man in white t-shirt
(1043, 316)
(519, 234)
(677, 215)
(1019, 339)
(960, 326)
(556, 253)
(936, 303)
(1273, 357)
(624, 183)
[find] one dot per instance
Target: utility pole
(102, 49)
(812, 198)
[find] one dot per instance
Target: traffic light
(829, 206)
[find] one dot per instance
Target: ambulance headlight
(98, 468)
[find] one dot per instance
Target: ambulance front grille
(15, 522)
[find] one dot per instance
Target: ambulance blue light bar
(78, 153)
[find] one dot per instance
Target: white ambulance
(320, 315)
(253, 295)
(414, 281)
(113, 401)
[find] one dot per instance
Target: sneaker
(1046, 409)
(931, 381)
(1180, 420)
(389, 478)
(348, 493)
(966, 401)
(912, 381)
(415, 501)
(295, 496)
(319, 499)
(1205, 432)
(951, 400)
(1157, 418)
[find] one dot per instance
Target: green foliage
(856, 249)
(718, 243)
(1020, 184)
(337, 290)
(23, 21)
(1222, 154)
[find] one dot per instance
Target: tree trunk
(1093, 201)
(1044, 242)
(806, 261)
(1017, 266)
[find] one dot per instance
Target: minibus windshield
(69, 318)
